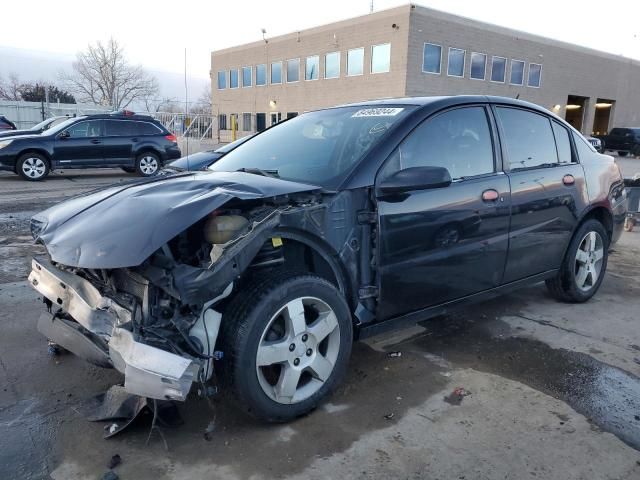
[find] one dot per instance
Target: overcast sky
(156, 33)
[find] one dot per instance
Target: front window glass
(517, 72)
(381, 58)
(86, 129)
(458, 140)
(318, 147)
(293, 70)
(431, 58)
(455, 67)
(332, 65)
(355, 61)
(311, 68)
(478, 65)
(528, 138)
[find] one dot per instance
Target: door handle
(568, 180)
(134, 139)
(95, 141)
(490, 195)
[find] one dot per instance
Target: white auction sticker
(378, 112)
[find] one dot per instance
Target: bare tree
(164, 104)
(10, 89)
(204, 103)
(102, 75)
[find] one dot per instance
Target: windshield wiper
(258, 171)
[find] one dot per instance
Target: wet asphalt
(582, 363)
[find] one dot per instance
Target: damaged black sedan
(258, 274)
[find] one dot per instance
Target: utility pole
(371, 7)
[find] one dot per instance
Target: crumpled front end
(108, 330)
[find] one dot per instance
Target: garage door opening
(602, 116)
(575, 110)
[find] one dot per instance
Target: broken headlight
(37, 226)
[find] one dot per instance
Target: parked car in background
(332, 226)
(596, 142)
(135, 143)
(202, 160)
(624, 140)
(6, 124)
(36, 129)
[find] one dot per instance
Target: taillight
(171, 137)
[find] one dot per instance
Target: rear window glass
(583, 147)
(146, 128)
(563, 143)
(120, 128)
(528, 138)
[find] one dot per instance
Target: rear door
(83, 147)
(548, 190)
(437, 245)
(119, 139)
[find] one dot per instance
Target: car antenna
(517, 96)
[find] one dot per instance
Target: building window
(222, 80)
(246, 122)
(293, 70)
(261, 74)
(498, 69)
(291, 115)
(431, 58)
(332, 65)
(455, 65)
(381, 58)
(535, 75)
(355, 61)
(276, 72)
(517, 72)
(222, 121)
(478, 66)
(312, 68)
(247, 76)
(233, 78)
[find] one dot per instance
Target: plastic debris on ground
(456, 397)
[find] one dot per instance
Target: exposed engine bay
(158, 322)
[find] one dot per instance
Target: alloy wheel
(34, 167)
(298, 350)
(148, 165)
(588, 261)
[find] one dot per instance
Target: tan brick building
(414, 51)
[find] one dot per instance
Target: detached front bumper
(101, 335)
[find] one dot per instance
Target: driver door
(441, 244)
(81, 146)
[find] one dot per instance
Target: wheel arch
(318, 257)
(39, 151)
(599, 213)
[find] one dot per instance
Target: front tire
(147, 164)
(32, 166)
(584, 265)
(287, 340)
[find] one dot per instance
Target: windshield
(230, 146)
(317, 147)
(61, 126)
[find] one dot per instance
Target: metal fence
(27, 114)
(201, 127)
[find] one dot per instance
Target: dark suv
(624, 140)
(329, 227)
(136, 143)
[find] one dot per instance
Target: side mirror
(416, 178)
(64, 134)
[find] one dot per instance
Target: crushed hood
(121, 226)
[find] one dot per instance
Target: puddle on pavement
(376, 386)
(607, 396)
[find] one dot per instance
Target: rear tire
(622, 153)
(286, 339)
(129, 169)
(584, 265)
(147, 164)
(32, 166)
